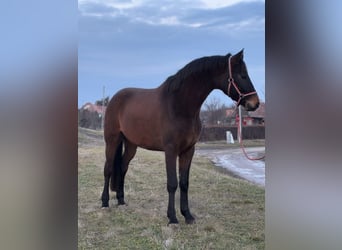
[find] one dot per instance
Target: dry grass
(229, 212)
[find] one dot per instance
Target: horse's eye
(244, 77)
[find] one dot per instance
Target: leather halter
(232, 82)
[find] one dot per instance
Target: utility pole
(240, 125)
(103, 97)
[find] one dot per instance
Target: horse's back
(136, 102)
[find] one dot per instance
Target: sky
(139, 43)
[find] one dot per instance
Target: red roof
(94, 108)
(230, 112)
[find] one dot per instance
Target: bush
(87, 119)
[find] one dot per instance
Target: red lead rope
(239, 134)
(243, 148)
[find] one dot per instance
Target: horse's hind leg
(184, 169)
(171, 158)
(111, 146)
(129, 153)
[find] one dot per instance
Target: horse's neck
(190, 98)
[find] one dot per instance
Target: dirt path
(235, 161)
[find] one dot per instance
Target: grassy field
(229, 212)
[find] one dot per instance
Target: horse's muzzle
(252, 103)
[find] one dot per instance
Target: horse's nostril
(252, 107)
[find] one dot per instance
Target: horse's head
(239, 85)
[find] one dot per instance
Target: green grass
(229, 212)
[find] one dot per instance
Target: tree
(87, 119)
(99, 102)
(214, 112)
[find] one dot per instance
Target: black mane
(196, 67)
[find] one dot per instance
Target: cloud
(165, 5)
(251, 24)
(216, 4)
(216, 14)
(121, 5)
(168, 21)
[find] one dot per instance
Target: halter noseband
(232, 82)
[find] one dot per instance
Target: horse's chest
(190, 132)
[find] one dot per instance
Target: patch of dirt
(90, 138)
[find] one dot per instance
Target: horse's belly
(145, 134)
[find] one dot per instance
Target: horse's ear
(238, 57)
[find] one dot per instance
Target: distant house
(91, 116)
(258, 115)
(94, 108)
(249, 118)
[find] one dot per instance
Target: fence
(216, 133)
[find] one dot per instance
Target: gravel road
(235, 161)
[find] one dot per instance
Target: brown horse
(167, 119)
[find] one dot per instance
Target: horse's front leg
(170, 158)
(184, 169)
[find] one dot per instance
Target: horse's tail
(117, 168)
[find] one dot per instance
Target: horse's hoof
(173, 221)
(190, 221)
(120, 203)
(105, 204)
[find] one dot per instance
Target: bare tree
(214, 111)
(212, 104)
(99, 102)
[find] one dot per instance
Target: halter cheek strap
(232, 82)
